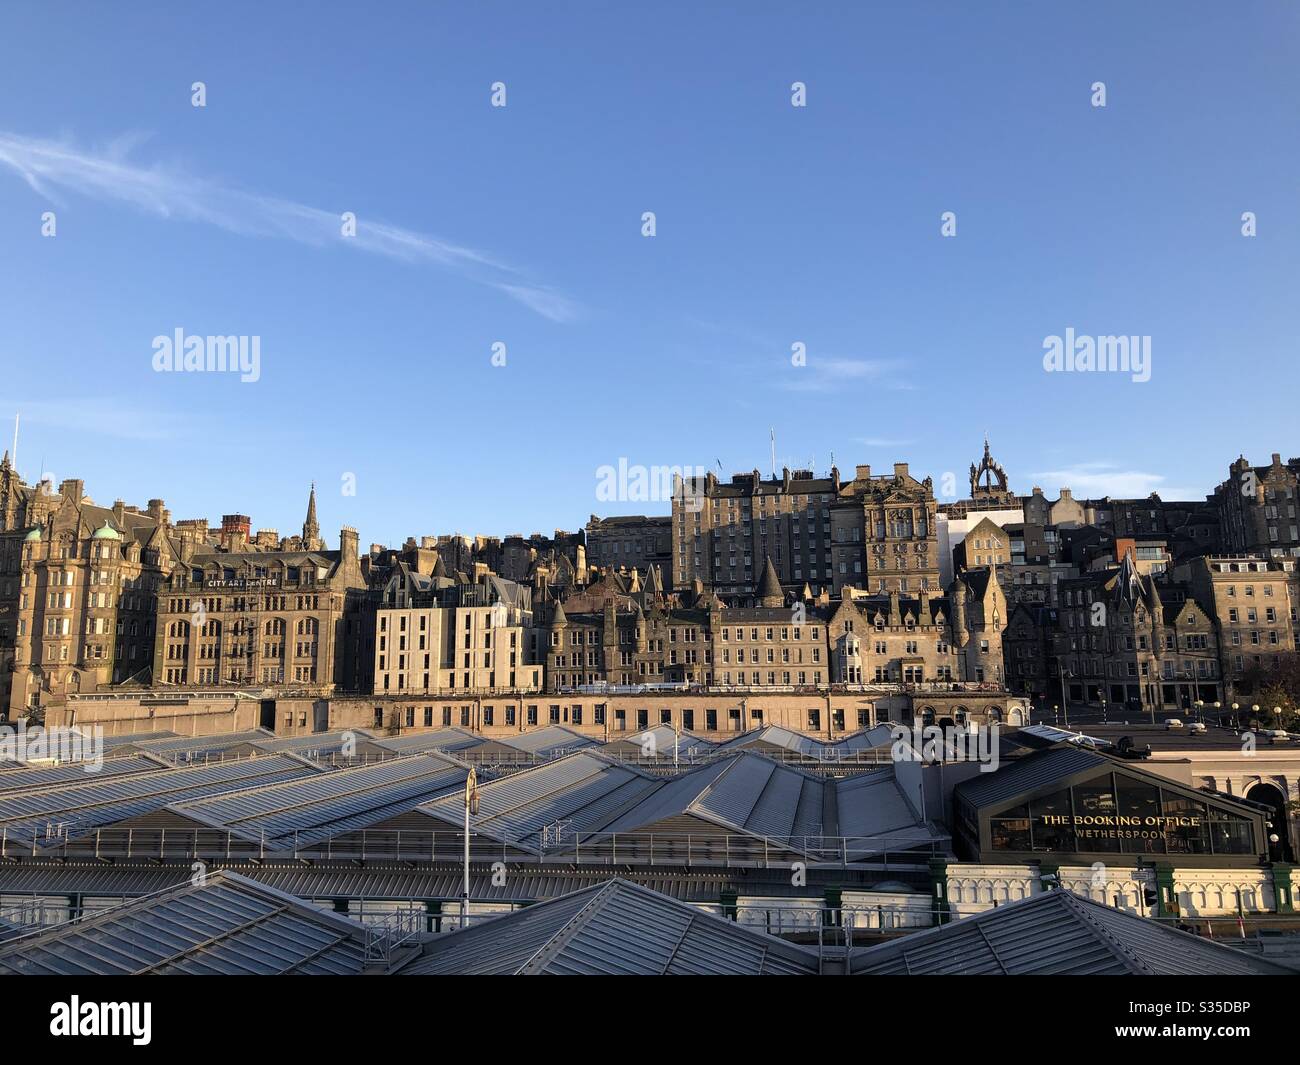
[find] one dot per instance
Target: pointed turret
(653, 585)
(769, 590)
(310, 529)
(559, 618)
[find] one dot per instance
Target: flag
(471, 792)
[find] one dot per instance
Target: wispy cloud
(103, 416)
(1091, 479)
(53, 168)
(831, 374)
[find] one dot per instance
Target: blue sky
(522, 225)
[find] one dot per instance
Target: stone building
(632, 541)
(268, 619)
(1134, 642)
(779, 640)
(721, 533)
(886, 525)
(79, 594)
(434, 635)
(1036, 565)
(1027, 650)
(985, 544)
(1064, 512)
(1253, 603)
(1256, 506)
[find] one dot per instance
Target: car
(1275, 735)
(1198, 727)
(1173, 722)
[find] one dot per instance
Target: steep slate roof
(770, 586)
(613, 929)
(1057, 933)
(225, 925)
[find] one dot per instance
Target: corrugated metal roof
(809, 746)
(777, 736)
(41, 776)
(749, 793)
(1057, 934)
(227, 925)
(300, 813)
(549, 741)
(65, 812)
(109, 742)
(618, 928)
(175, 748)
(524, 884)
(446, 739)
(106, 745)
(326, 744)
(582, 789)
(660, 741)
(1029, 773)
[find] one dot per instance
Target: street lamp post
(1065, 702)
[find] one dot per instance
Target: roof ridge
(560, 938)
(412, 778)
(1075, 904)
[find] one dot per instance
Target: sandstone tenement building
(782, 585)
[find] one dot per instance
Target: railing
(728, 850)
(386, 936)
(30, 914)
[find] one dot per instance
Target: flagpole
(471, 799)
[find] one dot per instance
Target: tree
(1277, 686)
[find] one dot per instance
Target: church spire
(310, 529)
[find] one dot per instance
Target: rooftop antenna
(773, 435)
(15, 451)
